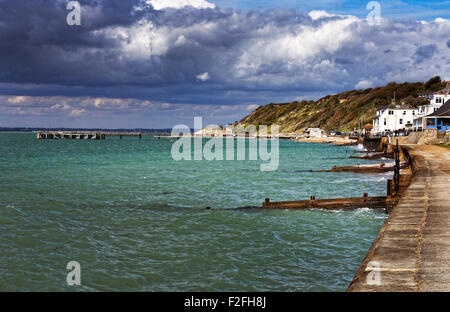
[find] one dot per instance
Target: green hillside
(343, 111)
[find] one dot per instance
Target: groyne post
(312, 201)
(389, 187)
(397, 168)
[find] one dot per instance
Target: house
(314, 132)
(437, 99)
(394, 117)
(440, 119)
(228, 131)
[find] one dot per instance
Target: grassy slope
(342, 111)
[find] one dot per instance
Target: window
(404, 112)
(401, 121)
(391, 112)
(385, 121)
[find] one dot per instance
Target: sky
(159, 63)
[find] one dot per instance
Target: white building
(394, 117)
(314, 132)
(229, 130)
(437, 99)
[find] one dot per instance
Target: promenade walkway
(412, 250)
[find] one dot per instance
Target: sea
(134, 218)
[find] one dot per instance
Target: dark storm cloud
(38, 46)
(214, 56)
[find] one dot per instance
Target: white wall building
(394, 117)
(315, 132)
(437, 99)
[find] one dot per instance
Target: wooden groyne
(395, 187)
(335, 203)
(83, 135)
(412, 249)
(373, 168)
(384, 150)
(373, 156)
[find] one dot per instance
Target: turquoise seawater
(135, 220)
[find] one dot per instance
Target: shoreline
(410, 248)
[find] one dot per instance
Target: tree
(432, 81)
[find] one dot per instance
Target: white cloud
(176, 4)
(364, 84)
(319, 14)
(17, 99)
(180, 40)
(77, 112)
(441, 20)
(74, 106)
(63, 107)
(99, 109)
(252, 107)
(203, 77)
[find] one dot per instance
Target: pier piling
(83, 135)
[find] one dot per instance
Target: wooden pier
(83, 135)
